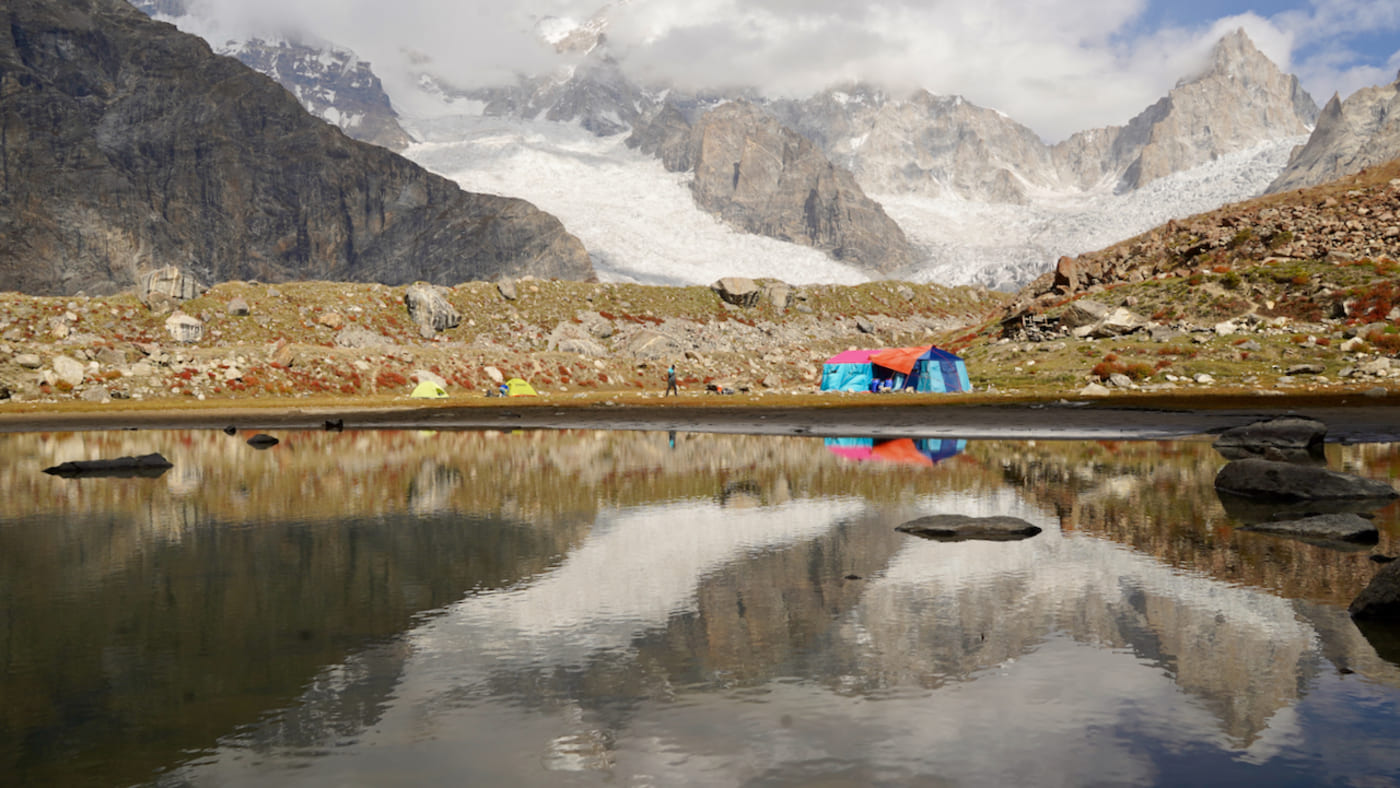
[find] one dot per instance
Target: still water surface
(637, 609)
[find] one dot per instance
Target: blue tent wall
(846, 377)
(940, 371)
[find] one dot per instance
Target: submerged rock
(960, 528)
(1286, 481)
(1348, 527)
(1380, 599)
(150, 465)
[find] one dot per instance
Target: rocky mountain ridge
(1362, 131)
(945, 145)
(331, 82)
(765, 178)
(132, 146)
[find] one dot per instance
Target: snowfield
(1005, 246)
(640, 223)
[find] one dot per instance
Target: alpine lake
(640, 608)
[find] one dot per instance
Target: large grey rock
(429, 308)
(738, 290)
(166, 288)
(960, 528)
(154, 150)
(779, 294)
(1286, 481)
(184, 328)
(1341, 527)
(1293, 436)
(69, 370)
(1118, 322)
(1083, 312)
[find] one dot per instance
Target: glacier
(640, 223)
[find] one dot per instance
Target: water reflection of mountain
(586, 589)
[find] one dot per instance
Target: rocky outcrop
(130, 146)
(764, 178)
(1361, 132)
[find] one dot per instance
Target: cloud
(1327, 33)
(1058, 66)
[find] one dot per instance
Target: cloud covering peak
(1057, 66)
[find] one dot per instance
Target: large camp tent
(848, 371)
(924, 368)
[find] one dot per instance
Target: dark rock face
(332, 85)
(766, 179)
(128, 146)
(961, 528)
(1289, 438)
(1285, 481)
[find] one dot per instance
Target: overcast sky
(1057, 66)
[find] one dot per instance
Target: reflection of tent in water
(920, 451)
(428, 390)
(515, 387)
(925, 368)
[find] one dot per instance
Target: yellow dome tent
(515, 387)
(428, 390)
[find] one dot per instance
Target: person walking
(671, 382)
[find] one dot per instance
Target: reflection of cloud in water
(636, 570)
